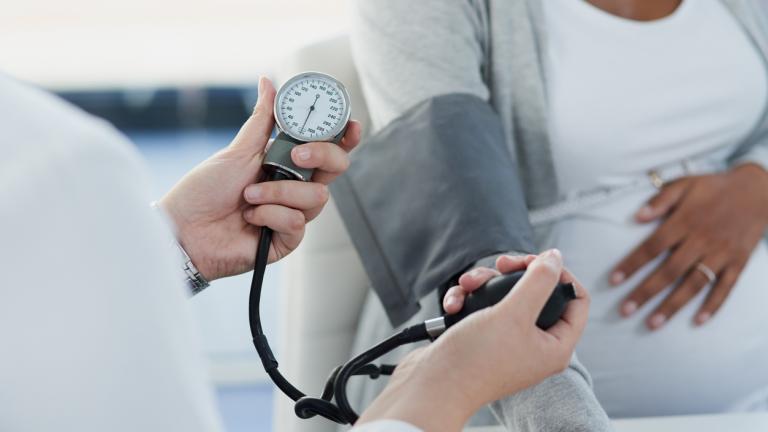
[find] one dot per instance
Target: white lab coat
(95, 328)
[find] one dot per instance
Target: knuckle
(653, 246)
(640, 295)
(671, 306)
(452, 291)
(729, 279)
(669, 272)
(540, 270)
(633, 262)
(544, 268)
(345, 162)
(323, 193)
(251, 216)
(278, 192)
(320, 151)
(297, 221)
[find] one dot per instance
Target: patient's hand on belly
(711, 225)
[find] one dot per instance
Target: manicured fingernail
(253, 193)
(261, 85)
(703, 318)
(474, 273)
(303, 153)
(657, 321)
(645, 212)
(451, 301)
(628, 308)
(617, 278)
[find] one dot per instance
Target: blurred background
(177, 77)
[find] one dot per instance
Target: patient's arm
(409, 51)
(440, 174)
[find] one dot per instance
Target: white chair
(324, 283)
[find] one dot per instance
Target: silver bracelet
(194, 279)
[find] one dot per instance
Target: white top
(95, 327)
(626, 97)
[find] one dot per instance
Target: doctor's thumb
(254, 134)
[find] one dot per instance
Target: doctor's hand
(218, 208)
(490, 354)
(710, 226)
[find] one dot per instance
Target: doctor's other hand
(490, 354)
(218, 208)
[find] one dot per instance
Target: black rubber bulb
(497, 288)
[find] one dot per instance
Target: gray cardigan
(409, 51)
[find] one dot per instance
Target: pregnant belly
(679, 369)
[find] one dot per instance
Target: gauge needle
(312, 108)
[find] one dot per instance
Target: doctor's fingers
(571, 325)
(512, 263)
(287, 222)
(453, 300)
(254, 134)
(329, 160)
(526, 301)
(306, 197)
(475, 278)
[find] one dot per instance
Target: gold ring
(655, 179)
(706, 271)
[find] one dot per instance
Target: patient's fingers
(719, 293)
(663, 201)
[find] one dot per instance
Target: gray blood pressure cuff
(429, 195)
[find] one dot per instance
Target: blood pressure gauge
(311, 106)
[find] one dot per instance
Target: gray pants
(564, 402)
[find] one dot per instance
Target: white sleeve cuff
(386, 426)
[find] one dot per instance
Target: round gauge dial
(312, 107)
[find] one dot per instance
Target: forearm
(422, 393)
(564, 402)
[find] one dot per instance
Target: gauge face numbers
(312, 107)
